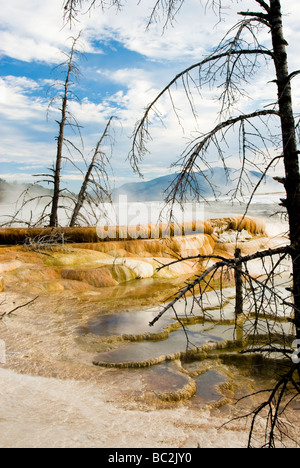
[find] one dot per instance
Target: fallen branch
(6, 314)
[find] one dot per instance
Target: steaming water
(128, 213)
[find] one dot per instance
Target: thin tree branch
(223, 263)
(264, 5)
(7, 314)
(138, 148)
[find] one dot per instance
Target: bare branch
(73, 7)
(141, 133)
(223, 263)
(257, 186)
(263, 4)
(255, 14)
(98, 166)
(67, 119)
(7, 314)
(186, 182)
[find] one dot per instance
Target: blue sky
(124, 68)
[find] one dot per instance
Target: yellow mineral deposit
(9, 266)
(92, 260)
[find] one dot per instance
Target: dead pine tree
(257, 40)
(95, 178)
(232, 64)
(234, 61)
(61, 100)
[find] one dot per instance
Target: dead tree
(233, 63)
(72, 73)
(95, 175)
(95, 178)
(236, 265)
(46, 210)
(235, 60)
(230, 67)
(95, 189)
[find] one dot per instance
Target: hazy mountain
(11, 191)
(154, 190)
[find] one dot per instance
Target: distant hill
(11, 191)
(155, 190)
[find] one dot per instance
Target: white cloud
(26, 49)
(24, 125)
(89, 112)
(20, 177)
(33, 32)
(19, 147)
(186, 40)
(16, 102)
(30, 31)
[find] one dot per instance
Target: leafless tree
(81, 209)
(73, 7)
(234, 62)
(95, 178)
(61, 97)
(71, 72)
(95, 174)
(230, 68)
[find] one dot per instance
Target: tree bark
(238, 285)
(290, 151)
(57, 177)
(60, 138)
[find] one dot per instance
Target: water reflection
(134, 294)
(127, 323)
(151, 352)
(207, 386)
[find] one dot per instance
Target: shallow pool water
(207, 386)
(149, 351)
(126, 323)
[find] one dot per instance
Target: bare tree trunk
(290, 152)
(87, 179)
(238, 285)
(239, 298)
(60, 138)
(57, 171)
(81, 197)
